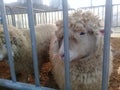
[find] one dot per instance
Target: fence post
(66, 45)
(13, 16)
(7, 39)
(105, 69)
(35, 22)
(33, 40)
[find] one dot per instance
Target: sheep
(21, 47)
(85, 49)
(43, 33)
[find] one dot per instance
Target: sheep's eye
(82, 33)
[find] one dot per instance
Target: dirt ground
(115, 77)
(47, 79)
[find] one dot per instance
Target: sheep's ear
(102, 31)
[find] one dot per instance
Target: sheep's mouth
(62, 57)
(82, 57)
(85, 56)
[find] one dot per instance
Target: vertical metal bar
(22, 20)
(37, 18)
(40, 17)
(66, 45)
(13, 16)
(55, 16)
(17, 21)
(46, 17)
(43, 17)
(25, 18)
(117, 16)
(102, 12)
(7, 18)
(35, 21)
(93, 10)
(58, 15)
(114, 20)
(108, 19)
(52, 17)
(49, 17)
(99, 11)
(13, 20)
(33, 40)
(61, 14)
(23, 15)
(7, 39)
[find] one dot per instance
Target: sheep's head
(83, 35)
(3, 48)
(3, 51)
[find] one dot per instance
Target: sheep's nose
(62, 55)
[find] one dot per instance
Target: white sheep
(85, 49)
(21, 47)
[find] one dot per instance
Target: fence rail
(19, 18)
(13, 83)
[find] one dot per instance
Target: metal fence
(22, 86)
(100, 11)
(13, 83)
(18, 15)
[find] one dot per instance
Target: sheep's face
(3, 47)
(82, 42)
(3, 52)
(83, 37)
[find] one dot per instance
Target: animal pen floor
(47, 78)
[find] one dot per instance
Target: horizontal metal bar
(7, 39)
(54, 10)
(21, 86)
(33, 41)
(99, 6)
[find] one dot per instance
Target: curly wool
(21, 45)
(86, 72)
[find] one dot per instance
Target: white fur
(1, 57)
(21, 47)
(86, 53)
(72, 53)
